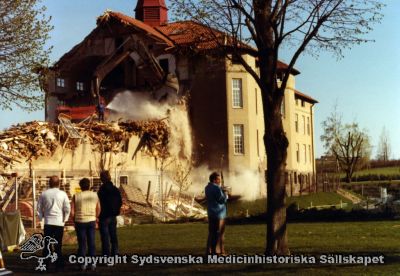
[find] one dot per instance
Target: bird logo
(33, 248)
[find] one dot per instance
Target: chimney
(152, 12)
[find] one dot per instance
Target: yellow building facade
(245, 122)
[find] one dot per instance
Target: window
(125, 145)
(123, 180)
(296, 122)
(60, 82)
(258, 146)
(302, 103)
(304, 124)
(305, 153)
(256, 97)
(308, 126)
(283, 107)
(237, 93)
(238, 139)
(309, 153)
(297, 101)
(79, 86)
(298, 153)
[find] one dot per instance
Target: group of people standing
(86, 208)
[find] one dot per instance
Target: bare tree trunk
(276, 146)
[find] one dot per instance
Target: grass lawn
(386, 171)
(381, 171)
(376, 238)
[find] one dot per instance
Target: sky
(365, 84)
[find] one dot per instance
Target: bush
(333, 214)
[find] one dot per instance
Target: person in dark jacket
(216, 210)
(101, 108)
(110, 203)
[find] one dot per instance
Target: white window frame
(237, 93)
(238, 139)
(60, 82)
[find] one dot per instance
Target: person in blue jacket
(216, 210)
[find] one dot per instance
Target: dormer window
(60, 82)
(79, 86)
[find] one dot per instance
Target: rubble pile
(183, 205)
(26, 141)
(31, 140)
(171, 207)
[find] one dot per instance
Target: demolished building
(127, 61)
(224, 102)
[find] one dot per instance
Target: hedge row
(372, 177)
(324, 215)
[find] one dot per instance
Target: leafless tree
(268, 25)
(384, 148)
(24, 30)
(347, 143)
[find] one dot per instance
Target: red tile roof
(193, 34)
(304, 96)
(183, 33)
(189, 33)
(127, 20)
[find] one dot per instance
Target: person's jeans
(108, 233)
(85, 232)
(57, 233)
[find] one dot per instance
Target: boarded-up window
(151, 13)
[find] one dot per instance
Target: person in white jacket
(54, 208)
